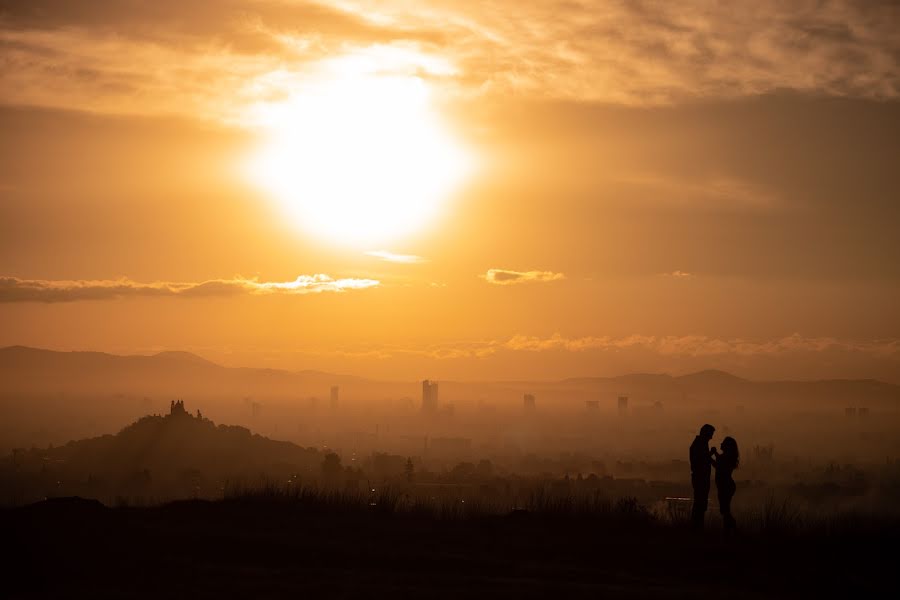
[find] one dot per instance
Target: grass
(540, 502)
(775, 517)
(274, 540)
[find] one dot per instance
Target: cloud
(13, 289)
(701, 345)
(677, 347)
(648, 352)
(719, 193)
(211, 61)
(507, 277)
(208, 62)
(662, 52)
(556, 357)
(386, 256)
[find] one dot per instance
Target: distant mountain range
(33, 370)
(25, 370)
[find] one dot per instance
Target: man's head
(707, 431)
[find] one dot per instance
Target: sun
(359, 160)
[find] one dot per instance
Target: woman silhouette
(725, 463)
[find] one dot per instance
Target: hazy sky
(496, 189)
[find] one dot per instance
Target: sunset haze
(456, 190)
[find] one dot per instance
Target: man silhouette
(701, 468)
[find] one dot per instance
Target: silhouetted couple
(703, 460)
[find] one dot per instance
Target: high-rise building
(529, 402)
(592, 404)
(335, 392)
(429, 396)
(623, 404)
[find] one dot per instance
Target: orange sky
(568, 188)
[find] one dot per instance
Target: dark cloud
(611, 52)
(209, 61)
(244, 26)
(13, 289)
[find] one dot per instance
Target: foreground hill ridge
(705, 376)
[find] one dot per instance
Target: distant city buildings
(335, 393)
(592, 405)
(623, 405)
(528, 402)
(429, 396)
(764, 454)
(852, 411)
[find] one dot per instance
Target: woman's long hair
(730, 451)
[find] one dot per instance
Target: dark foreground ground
(68, 548)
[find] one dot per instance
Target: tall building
(623, 404)
(529, 402)
(335, 391)
(429, 396)
(592, 404)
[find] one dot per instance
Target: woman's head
(730, 449)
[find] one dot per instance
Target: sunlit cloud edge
(14, 289)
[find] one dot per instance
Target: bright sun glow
(359, 159)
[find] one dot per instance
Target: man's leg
(701, 501)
